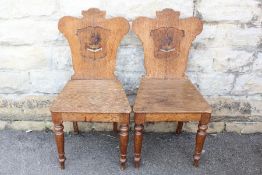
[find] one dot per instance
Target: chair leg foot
(75, 126)
(123, 144)
(122, 166)
(200, 138)
(196, 162)
(179, 127)
(138, 144)
(62, 165)
(59, 137)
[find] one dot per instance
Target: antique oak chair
(165, 94)
(93, 94)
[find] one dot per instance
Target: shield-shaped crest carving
(93, 42)
(167, 42)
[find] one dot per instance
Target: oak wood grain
(111, 31)
(169, 96)
(166, 67)
(165, 94)
(93, 94)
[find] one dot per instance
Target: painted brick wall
(225, 60)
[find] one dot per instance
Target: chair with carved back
(93, 94)
(165, 94)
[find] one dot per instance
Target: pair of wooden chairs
(165, 94)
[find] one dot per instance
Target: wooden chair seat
(92, 96)
(169, 96)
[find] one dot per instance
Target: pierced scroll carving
(93, 41)
(166, 42)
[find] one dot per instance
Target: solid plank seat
(169, 96)
(92, 96)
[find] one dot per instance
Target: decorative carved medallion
(167, 42)
(93, 41)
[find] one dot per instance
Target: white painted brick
(230, 106)
(160, 127)
(48, 81)
(257, 66)
(229, 10)
(27, 31)
(129, 10)
(213, 127)
(228, 60)
(200, 60)
(229, 35)
(256, 103)
(3, 125)
(129, 80)
(23, 58)
(14, 82)
(130, 39)
(130, 59)
(25, 107)
(75, 7)
(59, 57)
(27, 8)
(27, 125)
(213, 83)
(220, 60)
(248, 84)
(244, 127)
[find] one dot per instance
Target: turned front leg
(200, 137)
(138, 144)
(123, 144)
(59, 137)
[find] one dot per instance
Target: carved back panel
(93, 41)
(166, 41)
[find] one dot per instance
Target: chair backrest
(93, 41)
(166, 41)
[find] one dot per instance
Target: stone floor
(34, 153)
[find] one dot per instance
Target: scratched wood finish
(165, 94)
(184, 32)
(93, 41)
(169, 96)
(93, 94)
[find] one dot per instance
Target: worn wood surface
(169, 96)
(165, 94)
(93, 94)
(95, 117)
(201, 136)
(166, 41)
(93, 41)
(138, 139)
(123, 143)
